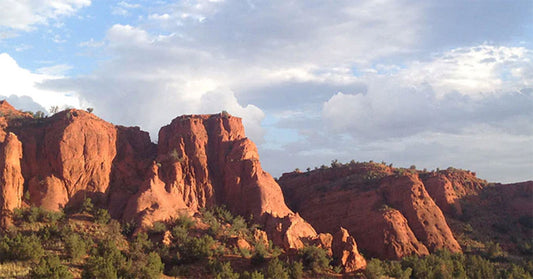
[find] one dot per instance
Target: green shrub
(50, 267)
(444, 264)
(146, 267)
(49, 232)
(315, 258)
(106, 261)
(214, 224)
(180, 233)
(101, 216)
(99, 267)
(196, 249)
(479, 268)
(185, 221)
(153, 267)
(494, 251)
(254, 275)
(20, 247)
(75, 247)
(515, 272)
(526, 247)
(238, 226)
(140, 246)
(36, 214)
(18, 214)
(127, 228)
(223, 214)
(296, 270)
(87, 206)
(374, 269)
(259, 255)
(222, 270)
(158, 227)
(276, 270)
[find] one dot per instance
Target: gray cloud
(24, 103)
(415, 78)
(473, 22)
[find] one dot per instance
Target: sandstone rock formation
(389, 215)
(448, 187)
(207, 160)
(11, 180)
(66, 157)
(408, 195)
(345, 252)
(200, 161)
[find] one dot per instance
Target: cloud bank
(435, 84)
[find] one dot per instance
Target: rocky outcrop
(153, 202)
(345, 252)
(448, 187)
(391, 215)
(11, 180)
(132, 168)
(200, 161)
(408, 195)
(290, 231)
(67, 157)
(207, 160)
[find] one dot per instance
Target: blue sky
(430, 83)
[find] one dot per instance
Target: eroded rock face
(390, 215)
(207, 160)
(290, 231)
(132, 168)
(67, 157)
(408, 195)
(153, 202)
(200, 161)
(449, 186)
(11, 180)
(210, 161)
(345, 251)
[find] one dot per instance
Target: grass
(14, 269)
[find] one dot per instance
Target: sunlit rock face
(390, 215)
(200, 161)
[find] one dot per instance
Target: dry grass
(14, 270)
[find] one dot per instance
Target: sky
(427, 83)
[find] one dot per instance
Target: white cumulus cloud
(17, 81)
(24, 15)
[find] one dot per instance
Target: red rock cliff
(200, 161)
(389, 215)
(11, 180)
(207, 160)
(448, 187)
(66, 157)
